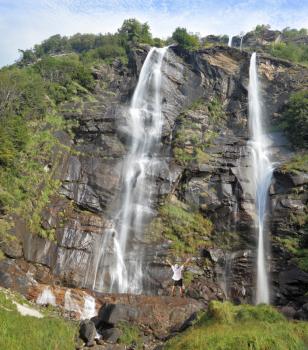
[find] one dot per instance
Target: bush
(295, 118)
(13, 138)
(290, 51)
(22, 92)
(185, 40)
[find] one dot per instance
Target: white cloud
(27, 25)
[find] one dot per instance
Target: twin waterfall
(118, 266)
(262, 173)
(118, 262)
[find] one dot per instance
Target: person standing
(177, 277)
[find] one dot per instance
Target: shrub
(295, 118)
(185, 40)
(290, 51)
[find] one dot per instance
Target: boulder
(288, 311)
(87, 331)
(161, 314)
(111, 335)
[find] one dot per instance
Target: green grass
(130, 335)
(244, 327)
(19, 332)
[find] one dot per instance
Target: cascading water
(119, 260)
(262, 173)
(230, 41)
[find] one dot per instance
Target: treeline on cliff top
(109, 46)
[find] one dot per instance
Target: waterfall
(262, 173)
(46, 297)
(118, 265)
(241, 44)
(230, 41)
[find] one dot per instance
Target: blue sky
(24, 23)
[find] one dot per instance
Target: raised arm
(168, 262)
(186, 262)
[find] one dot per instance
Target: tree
(82, 42)
(132, 31)
(54, 45)
(185, 40)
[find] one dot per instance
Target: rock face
(216, 182)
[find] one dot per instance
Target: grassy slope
(228, 327)
(19, 332)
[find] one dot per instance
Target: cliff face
(204, 167)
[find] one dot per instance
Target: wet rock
(111, 335)
(157, 313)
(288, 311)
(214, 254)
(113, 313)
(87, 332)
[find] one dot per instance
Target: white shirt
(177, 272)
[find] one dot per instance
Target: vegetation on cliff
(193, 135)
(28, 125)
(225, 326)
(187, 229)
(295, 118)
(93, 48)
(185, 40)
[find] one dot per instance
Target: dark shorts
(178, 283)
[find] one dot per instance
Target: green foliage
(261, 29)
(297, 248)
(216, 110)
(298, 163)
(19, 332)
(290, 51)
(230, 327)
(60, 74)
(293, 33)
(130, 335)
(191, 140)
(13, 138)
(227, 240)
(25, 187)
(53, 45)
(185, 40)
(133, 32)
(21, 93)
(188, 230)
(90, 48)
(295, 118)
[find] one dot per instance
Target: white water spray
(262, 173)
(230, 41)
(46, 297)
(118, 265)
